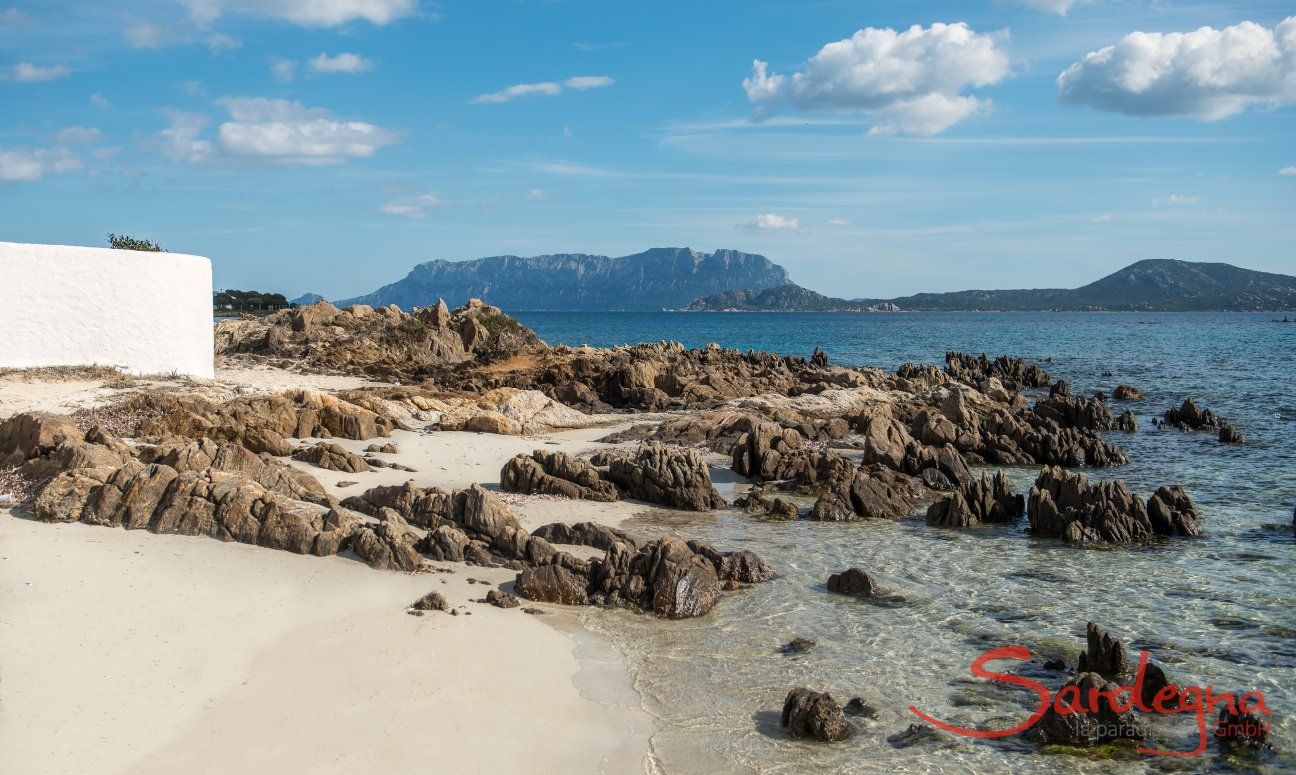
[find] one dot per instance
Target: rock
(853, 581)
(1238, 732)
(551, 584)
(796, 646)
(782, 509)
(1089, 724)
(390, 448)
(1105, 654)
(768, 452)
(1189, 416)
(333, 458)
(389, 545)
(1126, 393)
(669, 476)
(1064, 505)
(421, 507)
(1013, 373)
(858, 707)
(1154, 680)
(585, 534)
(914, 734)
(1229, 434)
(814, 715)
(987, 500)
(556, 473)
(501, 599)
(684, 584)
(432, 601)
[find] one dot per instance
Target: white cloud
(838, 222)
(286, 132)
(1207, 74)
(545, 88)
(342, 63)
(26, 72)
(1287, 171)
(909, 81)
(416, 207)
(1177, 200)
(306, 13)
(29, 164)
(77, 135)
(283, 70)
(766, 222)
(144, 36)
(180, 141)
(220, 42)
(1104, 218)
(1059, 7)
(100, 101)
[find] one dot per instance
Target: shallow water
(1220, 610)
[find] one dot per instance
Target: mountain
(652, 280)
(1153, 285)
(783, 298)
(307, 299)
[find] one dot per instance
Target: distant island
(659, 278)
(1153, 285)
(783, 298)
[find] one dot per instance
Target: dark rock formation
(1238, 732)
(1126, 393)
(1085, 413)
(1090, 724)
(332, 457)
(853, 581)
(670, 476)
(1229, 434)
(501, 599)
(1013, 373)
(1104, 655)
(814, 715)
(858, 707)
(552, 584)
(796, 646)
(1190, 417)
(556, 473)
(1064, 505)
(432, 601)
(914, 734)
(986, 500)
(421, 507)
(584, 534)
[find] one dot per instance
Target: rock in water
(1126, 393)
(1229, 434)
(815, 715)
(1064, 505)
(1089, 724)
(556, 473)
(1239, 732)
(1105, 654)
(1189, 416)
(796, 646)
(987, 500)
(852, 582)
(915, 734)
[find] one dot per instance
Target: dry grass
(67, 374)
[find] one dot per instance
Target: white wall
(148, 313)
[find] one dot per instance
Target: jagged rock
(815, 715)
(1105, 654)
(1191, 417)
(769, 452)
(885, 441)
(584, 534)
(1085, 413)
(551, 584)
(1229, 434)
(1238, 732)
(333, 458)
(1065, 505)
(986, 500)
(188, 455)
(669, 476)
(1094, 723)
(432, 601)
(853, 581)
(1126, 393)
(1061, 388)
(390, 448)
(1154, 680)
(556, 473)
(418, 506)
(501, 599)
(796, 646)
(1013, 373)
(388, 545)
(858, 707)
(743, 566)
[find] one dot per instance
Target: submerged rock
(1095, 718)
(796, 646)
(1238, 732)
(853, 581)
(814, 715)
(915, 734)
(986, 500)
(1126, 393)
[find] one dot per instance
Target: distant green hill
(783, 298)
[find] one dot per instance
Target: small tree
(123, 242)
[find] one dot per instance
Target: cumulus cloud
(283, 70)
(545, 88)
(21, 165)
(180, 141)
(1207, 74)
(1287, 171)
(909, 81)
(100, 101)
(26, 72)
(306, 13)
(219, 42)
(414, 207)
(286, 132)
(1177, 200)
(767, 222)
(342, 63)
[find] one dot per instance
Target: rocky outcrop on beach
(815, 715)
(1085, 413)
(556, 473)
(1100, 722)
(669, 476)
(1065, 505)
(201, 454)
(987, 500)
(383, 342)
(1239, 732)
(332, 457)
(1012, 373)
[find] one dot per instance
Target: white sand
(124, 651)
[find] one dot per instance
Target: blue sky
(329, 145)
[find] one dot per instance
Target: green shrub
(123, 242)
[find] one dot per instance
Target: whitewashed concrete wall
(148, 313)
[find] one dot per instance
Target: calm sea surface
(1220, 610)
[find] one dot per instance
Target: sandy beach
(128, 651)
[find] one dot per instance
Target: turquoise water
(1220, 610)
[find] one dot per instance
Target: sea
(1218, 611)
